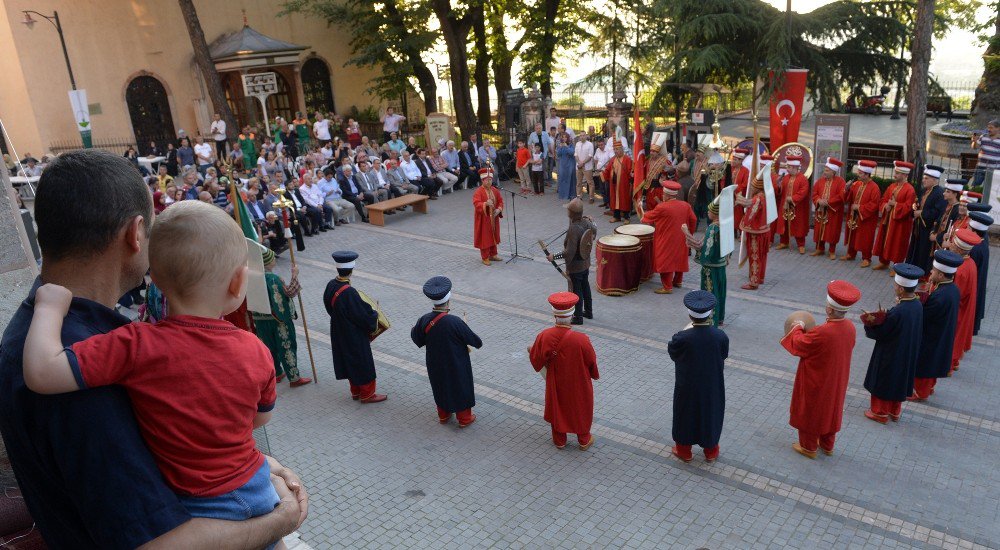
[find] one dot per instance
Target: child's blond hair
(194, 247)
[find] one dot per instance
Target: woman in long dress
(566, 168)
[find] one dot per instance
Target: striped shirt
(989, 152)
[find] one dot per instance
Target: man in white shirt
(218, 130)
(382, 179)
(318, 211)
(585, 166)
(203, 154)
(390, 123)
(552, 121)
(321, 129)
(601, 158)
(486, 153)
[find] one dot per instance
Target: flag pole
(285, 204)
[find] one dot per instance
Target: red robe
(966, 279)
(833, 191)
(486, 229)
(652, 195)
(867, 196)
(742, 179)
(618, 175)
(821, 379)
(758, 234)
(571, 364)
(670, 251)
(798, 190)
(893, 240)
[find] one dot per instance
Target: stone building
(135, 61)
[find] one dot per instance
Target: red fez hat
(486, 172)
(671, 187)
(903, 167)
(841, 295)
(834, 163)
(966, 239)
(740, 152)
(563, 303)
(867, 166)
(766, 156)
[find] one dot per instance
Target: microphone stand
(513, 214)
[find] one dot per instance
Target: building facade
(135, 60)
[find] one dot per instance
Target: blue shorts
(255, 498)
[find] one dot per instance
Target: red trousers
(924, 387)
(488, 252)
(757, 252)
(671, 279)
(881, 407)
(463, 417)
(801, 241)
(685, 452)
(363, 391)
(808, 441)
(559, 438)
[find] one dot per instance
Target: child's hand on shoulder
(53, 297)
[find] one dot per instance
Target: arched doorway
(149, 109)
(316, 86)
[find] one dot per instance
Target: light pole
(54, 19)
(77, 98)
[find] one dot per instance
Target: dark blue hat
(933, 171)
(345, 258)
(980, 221)
(955, 184)
(438, 289)
(907, 275)
(699, 303)
(979, 207)
(947, 261)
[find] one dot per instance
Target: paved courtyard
(388, 475)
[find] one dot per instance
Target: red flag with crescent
(639, 156)
(786, 107)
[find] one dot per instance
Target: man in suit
(382, 182)
(468, 166)
(416, 175)
(398, 179)
(428, 173)
(349, 190)
(368, 185)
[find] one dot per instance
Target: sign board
(832, 135)
(81, 112)
(701, 120)
(260, 84)
(438, 126)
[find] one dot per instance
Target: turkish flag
(639, 156)
(786, 107)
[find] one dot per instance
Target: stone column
(17, 263)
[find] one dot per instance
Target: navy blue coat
(981, 255)
(699, 355)
(894, 359)
(919, 253)
(352, 321)
(940, 320)
(448, 365)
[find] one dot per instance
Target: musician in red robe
(862, 214)
(488, 202)
(828, 203)
(756, 233)
(966, 279)
(824, 370)
(894, 229)
(670, 250)
(962, 222)
(567, 361)
(741, 178)
(794, 202)
(618, 175)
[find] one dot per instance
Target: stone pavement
(388, 475)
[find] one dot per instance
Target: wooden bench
(376, 212)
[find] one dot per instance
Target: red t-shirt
(196, 385)
(523, 157)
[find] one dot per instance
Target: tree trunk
(986, 105)
(916, 96)
(216, 92)
(502, 58)
(456, 34)
(423, 74)
(551, 8)
(482, 73)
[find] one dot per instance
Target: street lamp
(54, 19)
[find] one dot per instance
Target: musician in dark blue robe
(897, 343)
(927, 210)
(352, 320)
(940, 319)
(699, 354)
(449, 367)
(980, 222)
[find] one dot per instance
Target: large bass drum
(644, 233)
(383, 321)
(618, 264)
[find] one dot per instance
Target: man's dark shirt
(86, 475)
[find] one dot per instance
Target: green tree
(388, 35)
(986, 105)
(456, 23)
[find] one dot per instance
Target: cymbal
(796, 316)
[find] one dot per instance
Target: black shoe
(324, 229)
(576, 321)
(588, 314)
(365, 220)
